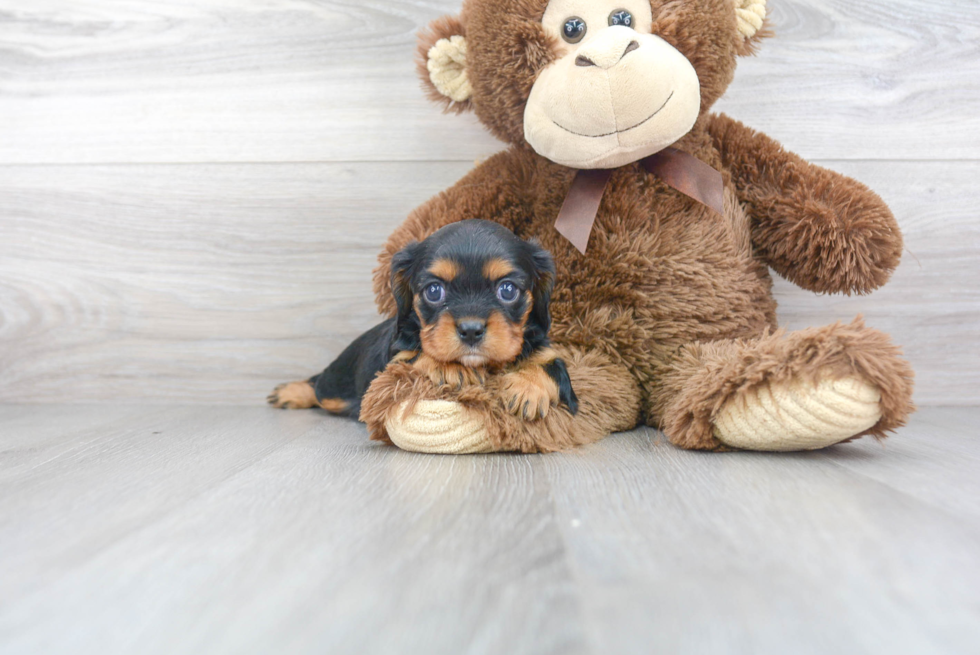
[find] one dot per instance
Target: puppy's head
(473, 293)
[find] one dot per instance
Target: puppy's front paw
(452, 374)
(529, 392)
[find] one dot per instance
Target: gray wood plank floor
(248, 530)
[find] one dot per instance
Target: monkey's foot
(798, 414)
(439, 426)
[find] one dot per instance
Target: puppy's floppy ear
(402, 269)
(542, 269)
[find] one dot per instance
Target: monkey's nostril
(631, 47)
(471, 332)
(585, 61)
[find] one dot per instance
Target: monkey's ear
(750, 17)
(441, 63)
(401, 275)
(539, 320)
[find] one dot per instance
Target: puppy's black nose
(471, 332)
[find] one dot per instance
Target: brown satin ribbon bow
(678, 169)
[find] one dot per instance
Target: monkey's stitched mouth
(627, 129)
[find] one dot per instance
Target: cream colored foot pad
(439, 426)
(798, 415)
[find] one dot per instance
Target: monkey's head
(589, 83)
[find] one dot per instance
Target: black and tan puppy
(472, 300)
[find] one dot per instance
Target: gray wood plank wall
(192, 194)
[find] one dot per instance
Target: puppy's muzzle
(471, 331)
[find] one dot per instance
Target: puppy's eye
(508, 292)
(435, 293)
(621, 17)
(573, 30)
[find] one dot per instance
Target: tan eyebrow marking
(445, 269)
(497, 268)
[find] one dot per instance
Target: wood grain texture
(127, 278)
(304, 80)
(284, 532)
(192, 195)
(750, 553)
(211, 284)
(252, 530)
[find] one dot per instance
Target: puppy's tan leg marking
(334, 405)
(293, 395)
(404, 356)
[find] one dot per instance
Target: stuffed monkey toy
(663, 219)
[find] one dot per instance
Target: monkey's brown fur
(670, 314)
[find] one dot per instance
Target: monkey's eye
(508, 292)
(621, 17)
(435, 293)
(573, 30)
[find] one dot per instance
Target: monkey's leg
(799, 391)
(404, 407)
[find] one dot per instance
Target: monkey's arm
(490, 191)
(818, 229)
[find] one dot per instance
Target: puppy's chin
(473, 361)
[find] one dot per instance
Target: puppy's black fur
(472, 294)
(348, 376)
